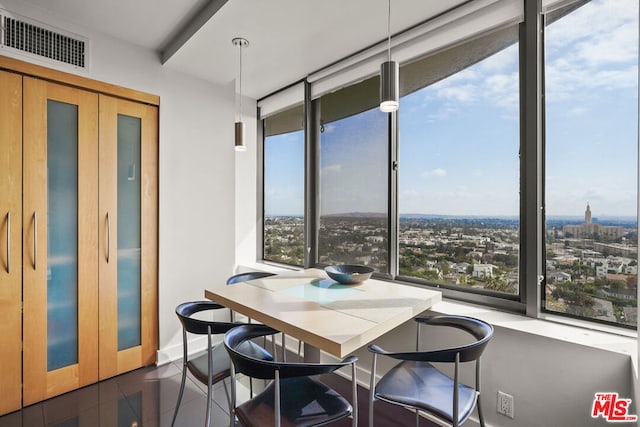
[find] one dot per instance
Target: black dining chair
(252, 275)
(294, 397)
(213, 365)
(244, 277)
(416, 383)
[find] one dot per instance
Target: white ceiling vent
(20, 37)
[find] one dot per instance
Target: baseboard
(174, 352)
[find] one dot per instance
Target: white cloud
(463, 93)
(328, 128)
(437, 172)
(594, 47)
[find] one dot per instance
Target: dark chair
(213, 365)
(243, 277)
(252, 275)
(294, 397)
(415, 383)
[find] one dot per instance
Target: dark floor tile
(149, 373)
(69, 405)
(29, 416)
(86, 418)
(151, 393)
(192, 413)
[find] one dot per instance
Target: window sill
(593, 335)
(617, 340)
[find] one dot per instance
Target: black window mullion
(531, 224)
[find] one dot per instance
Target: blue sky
(459, 137)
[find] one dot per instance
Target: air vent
(26, 37)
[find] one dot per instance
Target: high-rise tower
(587, 215)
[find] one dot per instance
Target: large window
(284, 187)
(591, 73)
(354, 190)
(498, 181)
(459, 169)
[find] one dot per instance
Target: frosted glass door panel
(62, 235)
(129, 241)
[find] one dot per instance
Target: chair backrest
(250, 275)
(266, 369)
(186, 310)
(480, 330)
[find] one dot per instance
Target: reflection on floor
(147, 397)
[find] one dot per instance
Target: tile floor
(147, 397)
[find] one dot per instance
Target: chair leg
(284, 349)
(175, 413)
(372, 388)
(274, 348)
(480, 417)
(234, 391)
(226, 391)
(207, 422)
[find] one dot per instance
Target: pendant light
(239, 125)
(389, 82)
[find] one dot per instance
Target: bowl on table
(349, 274)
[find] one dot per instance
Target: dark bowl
(349, 274)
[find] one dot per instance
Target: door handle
(35, 240)
(108, 237)
(9, 242)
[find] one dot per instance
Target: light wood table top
(338, 319)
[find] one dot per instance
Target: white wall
(197, 166)
(246, 189)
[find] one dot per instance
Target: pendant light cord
(240, 99)
(389, 30)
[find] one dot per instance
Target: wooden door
(128, 218)
(60, 257)
(10, 241)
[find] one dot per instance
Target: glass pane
(62, 235)
(459, 196)
(354, 188)
(284, 198)
(591, 69)
(129, 237)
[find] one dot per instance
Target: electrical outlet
(505, 404)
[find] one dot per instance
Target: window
(459, 167)
(354, 190)
(475, 164)
(591, 75)
(284, 187)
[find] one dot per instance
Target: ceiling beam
(190, 28)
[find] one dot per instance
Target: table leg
(311, 354)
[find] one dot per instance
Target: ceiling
(289, 39)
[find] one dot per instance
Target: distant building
(590, 229)
(560, 276)
(461, 267)
(483, 271)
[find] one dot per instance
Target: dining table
(324, 314)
